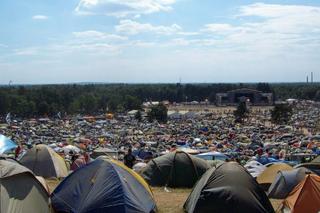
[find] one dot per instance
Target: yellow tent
(269, 174)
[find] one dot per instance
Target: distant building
(255, 97)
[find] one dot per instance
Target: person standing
(129, 159)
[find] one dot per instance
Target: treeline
(28, 101)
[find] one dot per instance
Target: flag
(8, 118)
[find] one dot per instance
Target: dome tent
(104, 185)
(305, 197)
(20, 190)
(267, 177)
(227, 188)
(45, 162)
(176, 169)
(286, 181)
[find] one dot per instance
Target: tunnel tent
(176, 169)
(44, 161)
(20, 190)
(286, 181)
(227, 188)
(104, 185)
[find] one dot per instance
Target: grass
(167, 202)
(170, 201)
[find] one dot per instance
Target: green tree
(241, 112)
(159, 113)
(281, 114)
(138, 115)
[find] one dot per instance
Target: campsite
(187, 164)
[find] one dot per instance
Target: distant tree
(43, 108)
(264, 87)
(138, 115)
(241, 112)
(317, 96)
(281, 114)
(131, 103)
(158, 113)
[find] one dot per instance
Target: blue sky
(142, 41)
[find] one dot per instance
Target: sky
(158, 41)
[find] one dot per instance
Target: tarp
(45, 162)
(227, 188)
(176, 169)
(103, 185)
(286, 181)
(305, 197)
(6, 144)
(20, 190)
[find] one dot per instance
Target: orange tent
(305, 197)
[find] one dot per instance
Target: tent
(6, 144)
(267, 177)
(286, 181)
(176, 169)
(104, 185)
(305, 197)
(314, 167)
(45, 162)
(254, 168)
(227, 188)
(316, 160)
(20, 190)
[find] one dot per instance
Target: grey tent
(227, 188)
(20, 190)
(316, 160)
(44, 161)
(314, 167)
(286, 181)
(176, 169)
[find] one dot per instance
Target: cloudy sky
(142, 41)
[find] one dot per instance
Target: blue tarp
(102, 186)
(6, 144)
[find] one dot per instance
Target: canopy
(6, 144)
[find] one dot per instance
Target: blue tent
(103, 185)
(6, 144)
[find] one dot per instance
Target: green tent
(176, 169)
(227, 188)
(20, 190)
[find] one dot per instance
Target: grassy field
(167, 202)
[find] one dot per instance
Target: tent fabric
(176, 169)
(254, 168)
(227, 188)
(285, 182)
(103, 185)
(267, 177)
(45, 162)
(305, 197)
(30, 196)
(6, 144)
(316, 160)
(314, 167)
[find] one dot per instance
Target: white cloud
(122, 8)
(132, 27)
(92, 35)
(39, 17)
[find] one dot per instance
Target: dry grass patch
(170, 202)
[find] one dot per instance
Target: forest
(71, 99)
